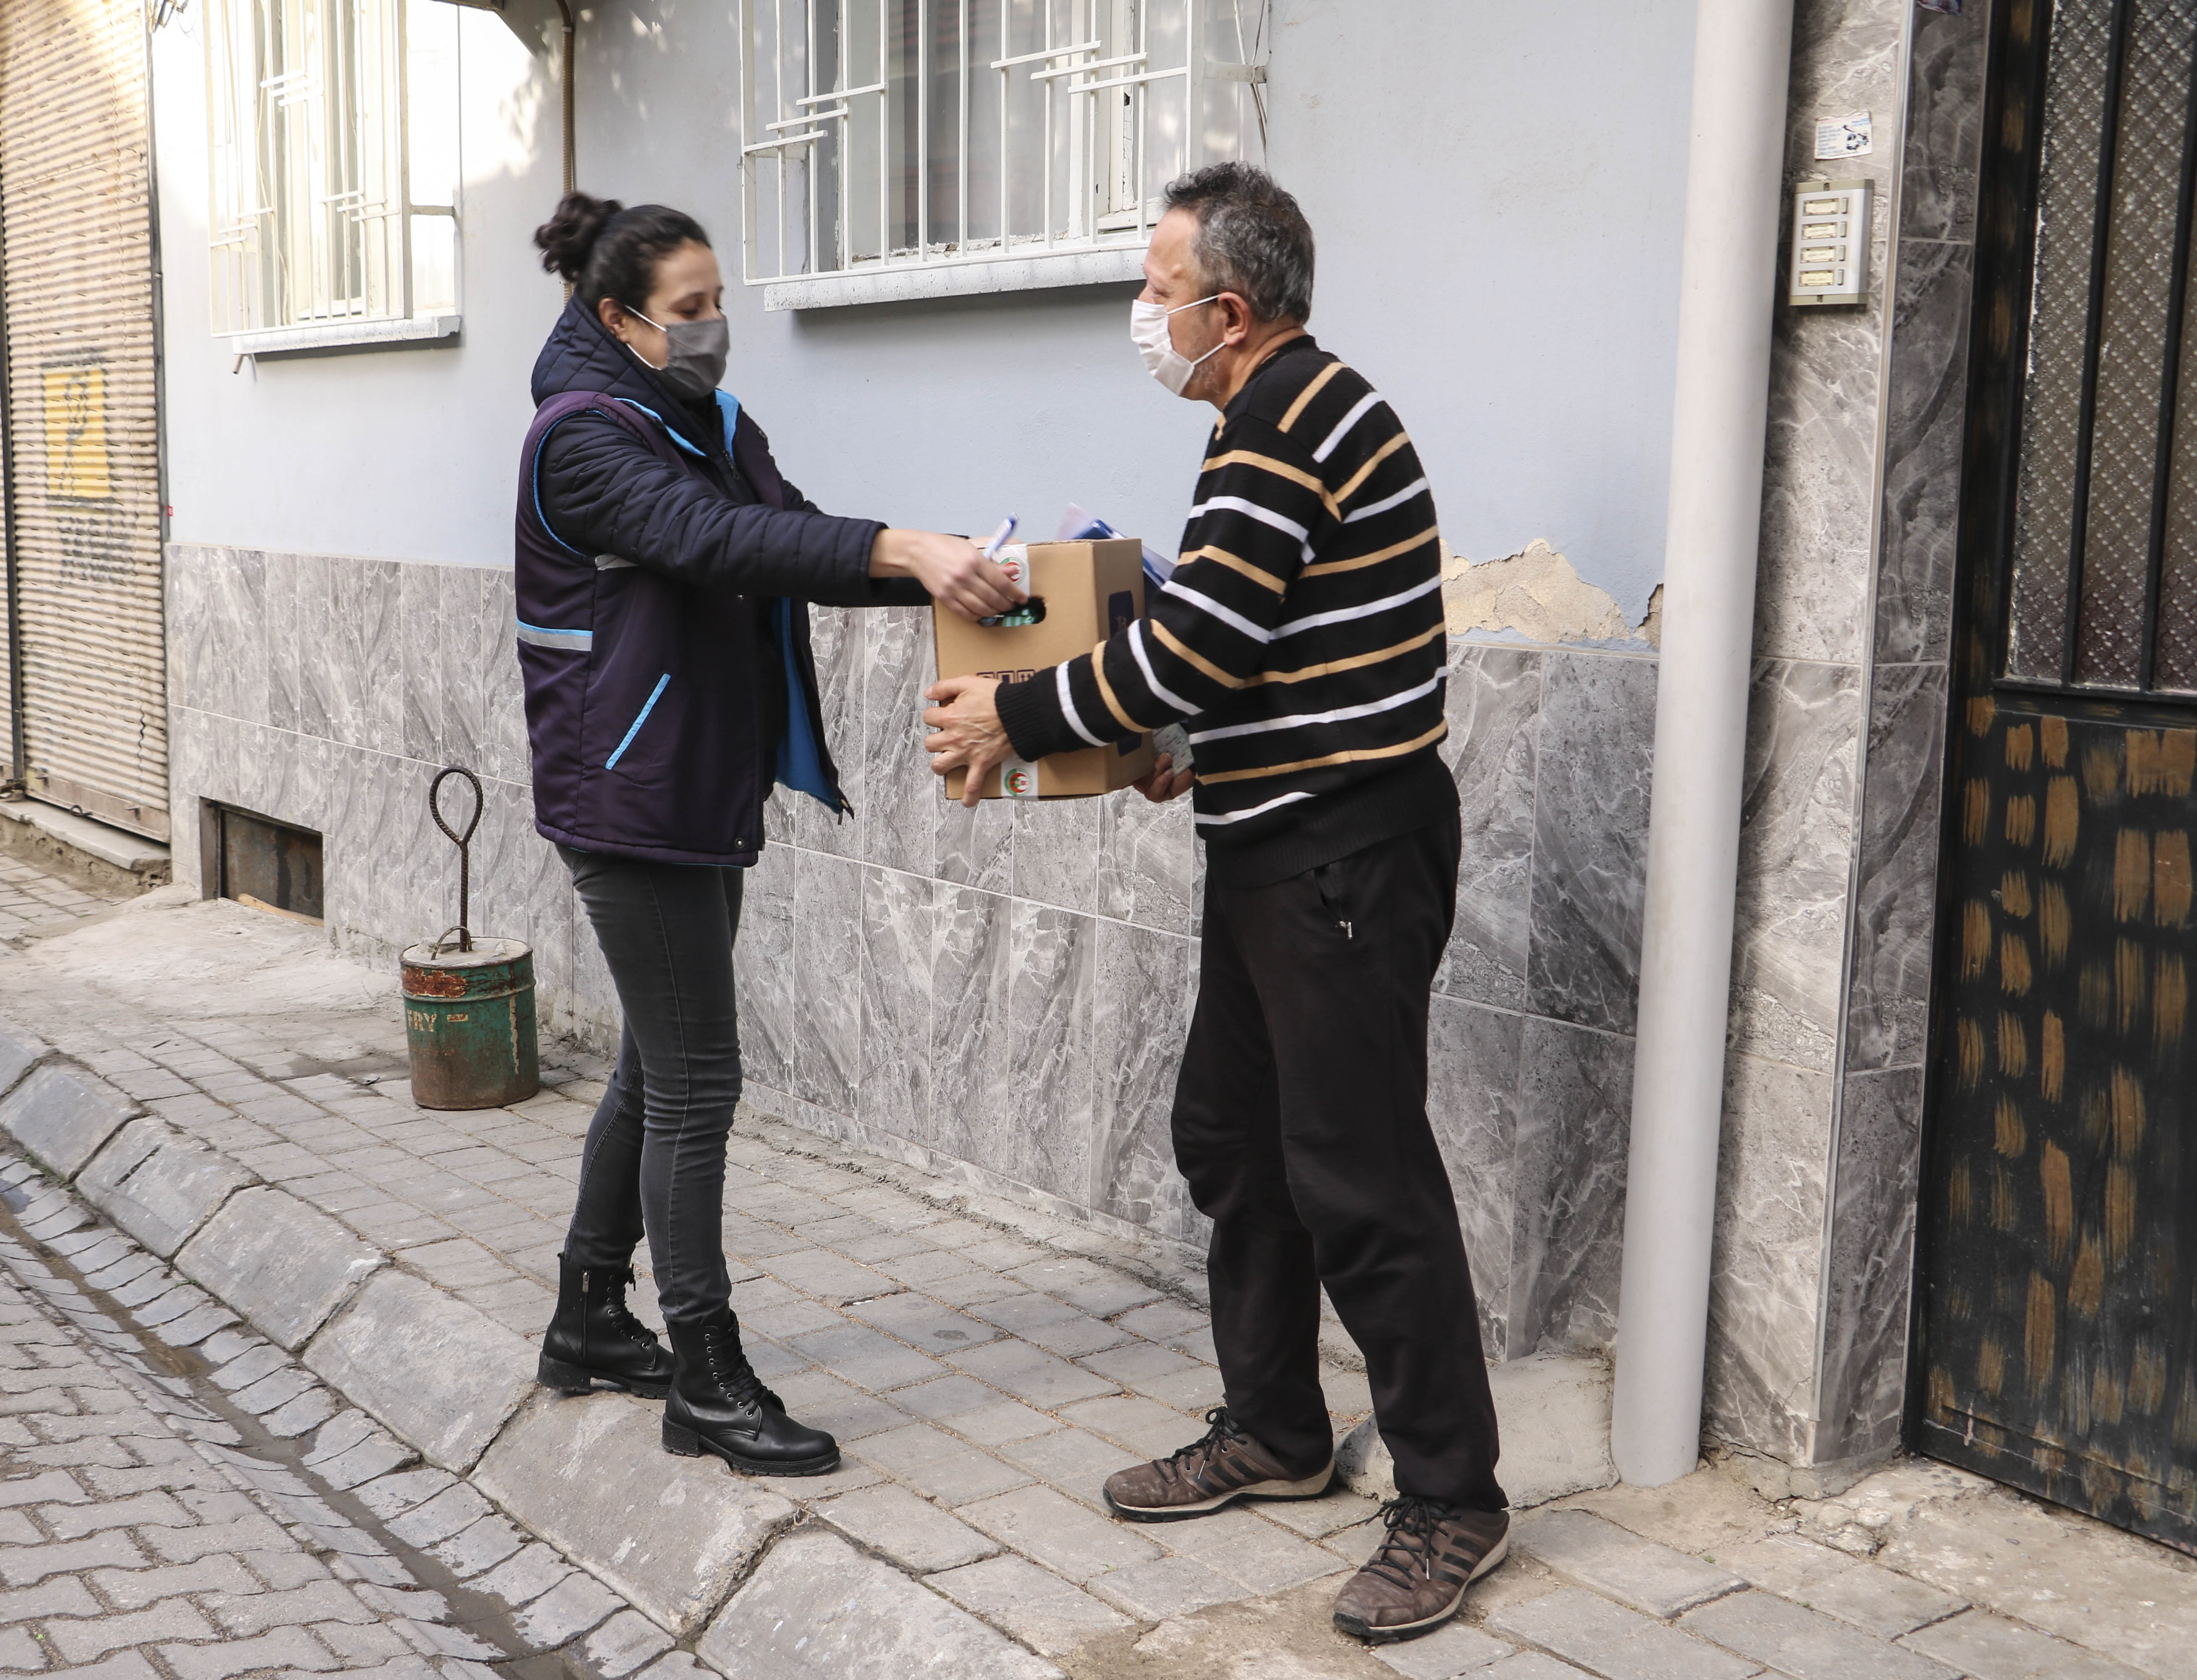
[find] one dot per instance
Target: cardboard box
(1090, 591)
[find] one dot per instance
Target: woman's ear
(612, 317)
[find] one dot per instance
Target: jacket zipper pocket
(654, 695)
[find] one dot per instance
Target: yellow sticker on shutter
(75, 434)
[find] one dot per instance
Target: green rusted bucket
(469, 1003)
(469, 1019)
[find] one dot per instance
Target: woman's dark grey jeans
(655, 1157)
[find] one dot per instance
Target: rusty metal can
(469, 1020)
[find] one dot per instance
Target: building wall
(1475, 175)
(1002, 994)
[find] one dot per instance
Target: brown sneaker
(1417, 1581)
(1224, 1466)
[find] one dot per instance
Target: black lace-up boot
(719, 1405)
(594, 1343)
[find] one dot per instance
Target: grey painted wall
(1496, 189)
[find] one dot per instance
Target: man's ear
(1240, 318)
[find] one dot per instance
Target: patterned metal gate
(2057, 1299)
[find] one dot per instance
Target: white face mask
(1148, 329)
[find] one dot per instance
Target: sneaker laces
(1185, 1462)
(1410, 1547)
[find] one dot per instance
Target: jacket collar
(581, 354)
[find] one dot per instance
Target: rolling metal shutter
(83, 477)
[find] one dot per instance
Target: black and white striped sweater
(1301, 634)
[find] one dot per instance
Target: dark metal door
(2057, 1301)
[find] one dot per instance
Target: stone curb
(427, 1374)
(443, 1375)
(286, 1266)
(63, 1118)
(159, 1185)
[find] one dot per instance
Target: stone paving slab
(2120, 1597)
(1782, 1634)
(817, 1609)
(1033, 1604)
(1992, 1648)
(1608, 1640)
(906, 1528)
(1443, 1654)
(440, 1374)
(285, 1265)
(1580, 1547)
(63, 1116)
(672, 1535)
(159, 1185)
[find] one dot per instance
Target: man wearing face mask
(1301, 637)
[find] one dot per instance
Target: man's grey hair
(1252, 239)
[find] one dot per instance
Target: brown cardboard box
(1091, 590)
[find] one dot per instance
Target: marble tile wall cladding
(1767, 1269)
(1896, 886)
(1000, 994)
(1874, 1209)
(1795, 861)
(1837, 895)
(1594, 743)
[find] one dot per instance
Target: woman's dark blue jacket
(663, 573)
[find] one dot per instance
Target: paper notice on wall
(1951, 8)
(1843, 137)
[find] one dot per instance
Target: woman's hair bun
(570, 234)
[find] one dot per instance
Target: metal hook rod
(463, 841)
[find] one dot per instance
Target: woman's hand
(951, 568)
(968, 733)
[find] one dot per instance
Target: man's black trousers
(1301, 1122)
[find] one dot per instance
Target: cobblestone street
(142, 1533)
(358, 1282)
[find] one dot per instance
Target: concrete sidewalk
(227, 1095)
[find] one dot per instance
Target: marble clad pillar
(1814, 1250)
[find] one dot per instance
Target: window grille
(885, 134)
(334, 144)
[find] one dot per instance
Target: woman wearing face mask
(663, 572)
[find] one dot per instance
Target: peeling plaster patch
(1538, 596)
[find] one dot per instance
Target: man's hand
(1164, 782)
(967, 733)
(951, 568)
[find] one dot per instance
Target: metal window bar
(308, 142)
(2092, 330)
(2177, 290)
(807, 107)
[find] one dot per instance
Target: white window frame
(819, 235)
(325, 229)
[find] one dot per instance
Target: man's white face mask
(1148, 328)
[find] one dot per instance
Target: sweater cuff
(1030, 710)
